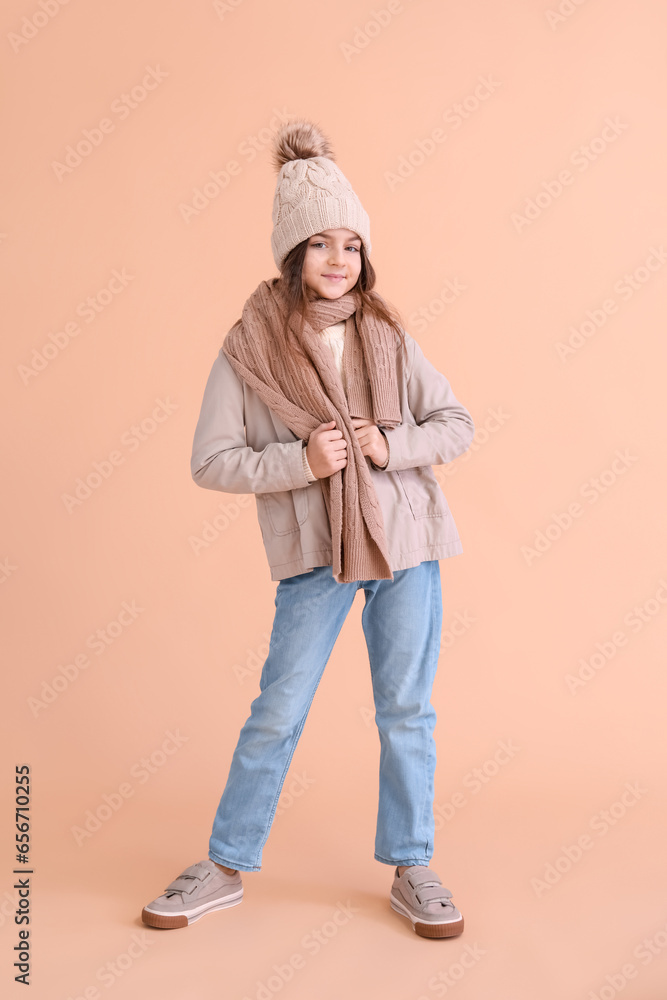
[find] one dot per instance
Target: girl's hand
(326, 450)
(373, 443)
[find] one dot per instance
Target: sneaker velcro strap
(423, 875)
(189, 880)
(196, 871)
(430, 894)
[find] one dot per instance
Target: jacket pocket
(423, 493)
(284, 511)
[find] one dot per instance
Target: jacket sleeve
(444, 428)
(221, 459)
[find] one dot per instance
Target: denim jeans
(402, 624)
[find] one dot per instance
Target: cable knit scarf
(305, 397)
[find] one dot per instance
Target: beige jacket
(241, 446)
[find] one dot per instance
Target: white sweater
(334, 336)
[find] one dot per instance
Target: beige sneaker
(419, 895)
(200, 889)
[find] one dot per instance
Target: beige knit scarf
(304, 396)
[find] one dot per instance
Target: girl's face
(332, 264)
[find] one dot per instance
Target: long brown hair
(297, 296)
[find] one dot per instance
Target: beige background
(550, 429)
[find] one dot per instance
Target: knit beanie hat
(312, 194)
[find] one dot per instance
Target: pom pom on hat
(300, 140)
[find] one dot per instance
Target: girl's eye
(319, 243)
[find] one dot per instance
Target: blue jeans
(402, 623)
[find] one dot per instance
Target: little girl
(324, 407)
